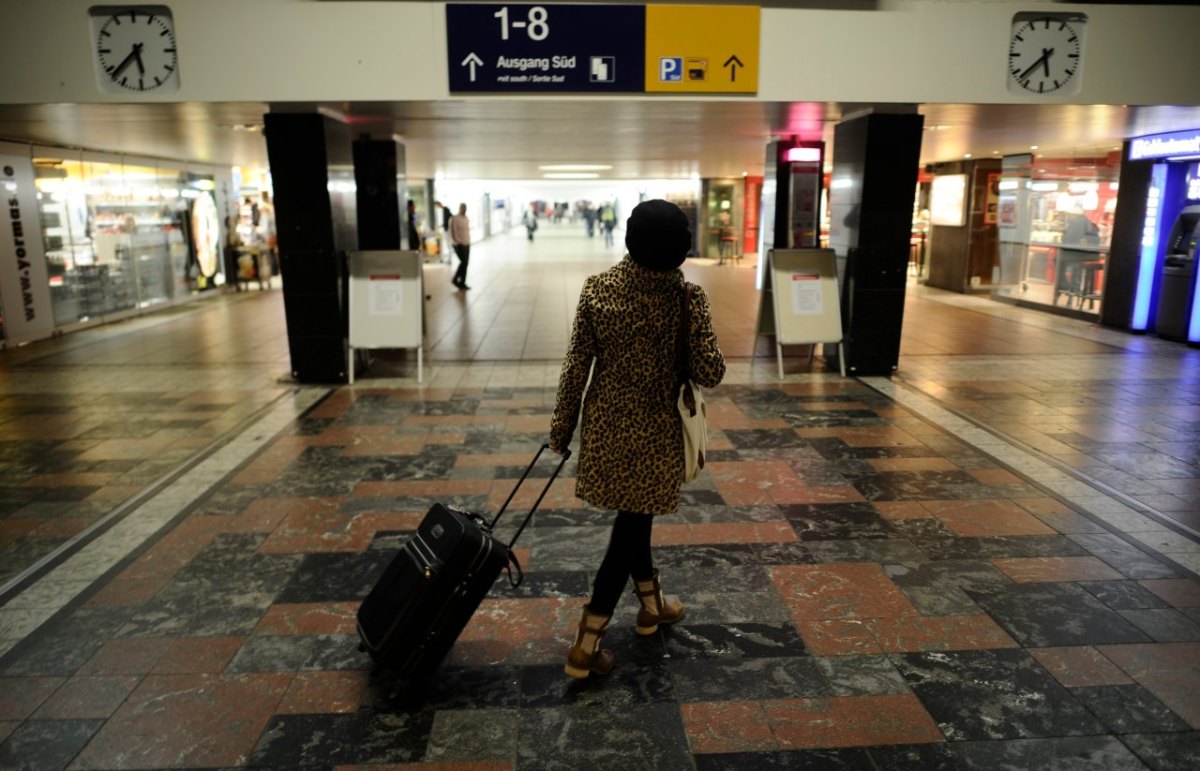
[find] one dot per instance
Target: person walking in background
(442, 218)
(608, 221)
(268, 234)
(460, 239)
(529, 219)
(631, 440)
(414, 237)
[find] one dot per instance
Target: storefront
(1055, 224)
(1152, 286)
(118, 235)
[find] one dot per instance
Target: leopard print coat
(631, 439)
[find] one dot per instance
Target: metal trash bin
(1175, 296)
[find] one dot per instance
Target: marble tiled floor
(880, 574)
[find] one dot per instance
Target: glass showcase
(1055, 222)
(122, 236)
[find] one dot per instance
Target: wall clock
(134, 49)
(1045, 53)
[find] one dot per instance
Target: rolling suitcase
(427, 594)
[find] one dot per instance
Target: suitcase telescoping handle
(538, 502)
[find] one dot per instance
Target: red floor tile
(995, 476)
(1027, 570)
(1167, 670)
(917, 634)
(901, 510)
(126, 656)
(976, 518)
(519, 631)
(324, 692)
(309, 618)
(453, 765)
(851, 721)
(727, 726)
(88, 697)
(837, 637)
(83, 479)
(723, 532)
(839, 591)
(913, 464)
(1179, 592)
(433, 488)
(23, 695)
(198, 655)
(1079, 666)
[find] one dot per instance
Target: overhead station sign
(702, 49)
(526, 48)
(535, 48)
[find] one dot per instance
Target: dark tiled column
(381, 190)
(313, 174)
(875, 159)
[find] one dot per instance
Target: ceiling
(502, 138)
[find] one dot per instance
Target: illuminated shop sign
(1147, 266)
(1165, 145)
(1192, 188)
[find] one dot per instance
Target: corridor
(990, 559)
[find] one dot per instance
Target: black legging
(628, 554)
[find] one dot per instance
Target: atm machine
(1177, 287)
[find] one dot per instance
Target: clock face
(135, 49)
(1045, 53)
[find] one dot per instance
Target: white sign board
(387, 302)
(803, 292)
(24, 279)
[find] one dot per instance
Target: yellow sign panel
(708, 49)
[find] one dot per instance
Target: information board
(387, 303)
(533, 48)
(800, 301)
(702, 49)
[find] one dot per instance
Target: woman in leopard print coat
(631, 440)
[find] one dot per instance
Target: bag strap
(683, 345)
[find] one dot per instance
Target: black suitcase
(427, 594)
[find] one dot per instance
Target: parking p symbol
(670, 69)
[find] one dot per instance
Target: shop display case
(1056, 224)
(117, 234)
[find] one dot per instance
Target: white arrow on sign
(472, 61)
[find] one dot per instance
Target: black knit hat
(657, 235)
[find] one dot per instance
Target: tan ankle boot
(657, 608)
(586, 656)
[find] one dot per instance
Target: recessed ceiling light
(575, 167)
(571, 175)
(966, 155)
(1033, 147)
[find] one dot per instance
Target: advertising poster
(991, 213)
(386, 296)
(24, 283)
(806, 294)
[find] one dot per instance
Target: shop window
(1055, 219)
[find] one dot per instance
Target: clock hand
(1044, 58)
(137, 52)
(124, 63)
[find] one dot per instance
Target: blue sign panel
(1176, 143)
(531, 48)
